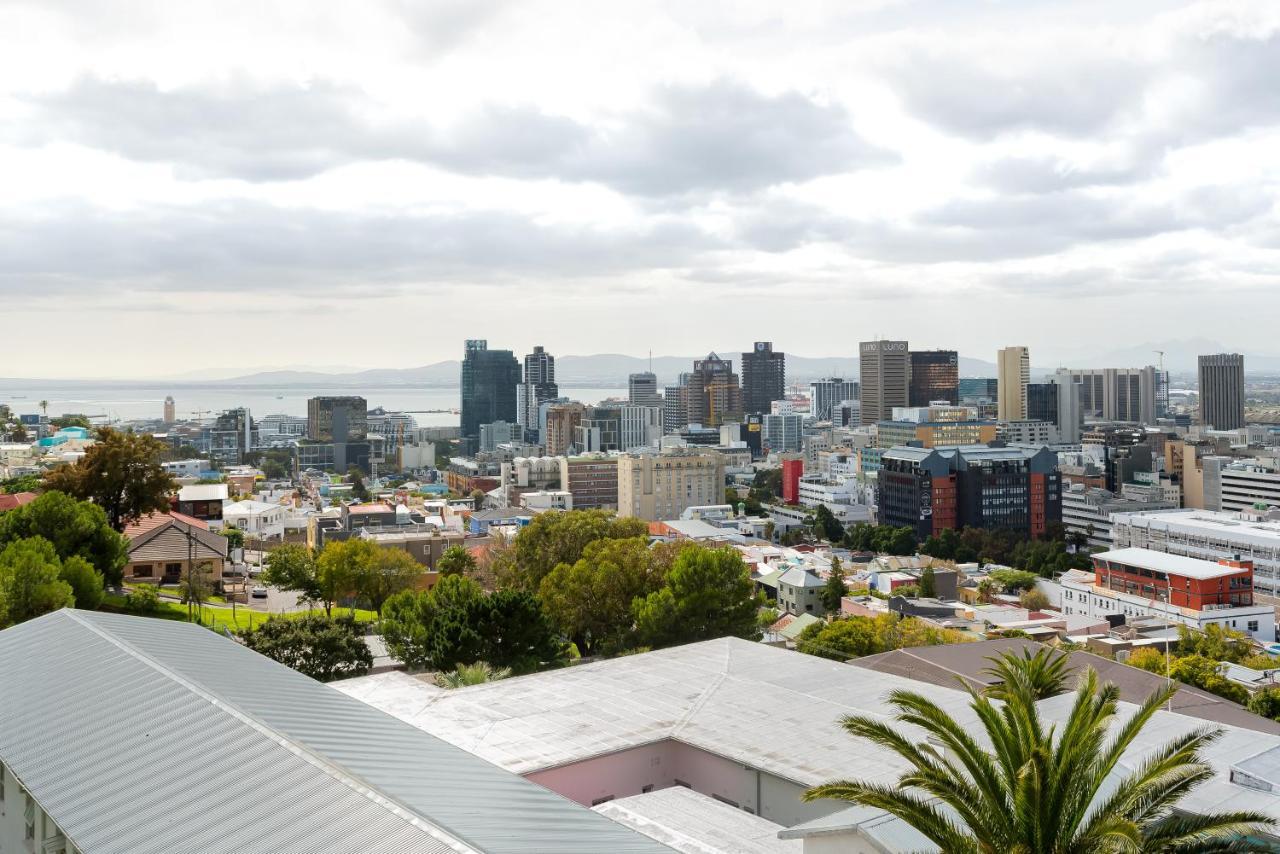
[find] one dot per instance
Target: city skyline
(359, 176)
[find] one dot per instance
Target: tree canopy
(456, 560)
(882, 539)
(560, 537)
(708, 594)
(854, 637)
(834, 591)
(121, 473)
(31, 582)
(75, 528)
(458, 623)
(322, 647)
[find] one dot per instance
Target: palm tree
(1042, 673)
(1041, 789)
(987, 588)
(472, 674)
(44, 407)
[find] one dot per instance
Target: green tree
(143, 599)
(708, 594)
(318, 646)
(121, 473)
(22, 483)
(1028, 787)
(854, 637)
(293, 567)
(356, 478)
(1013, 580)
(988, 588)
(591, 600)
(826, 525)
(383, 573)
(234, 536)
(70, 421)
(1148, 658)
(928, 583)
(1266, 702)
(767, 484)
(85, 582)
(75, 528)
(29, 581)
(340, 567)
(1203, 673)
(518, 633)
(561, 537)
(1033, 600)
(1215, 642)
(456, 560)
(1040, 674)
(835, 589)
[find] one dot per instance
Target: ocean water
(124, 402)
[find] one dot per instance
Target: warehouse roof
(136, 735)
(1188, 567)
(735, 699)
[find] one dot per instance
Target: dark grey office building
(489, 380)
(974, 390)
(337, 419)
(1042, 402)
(642, 389)
(935, 375)
(538, 387)
(764, 378)
(1222, 391)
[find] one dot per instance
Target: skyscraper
(935, 375)
(1222, 391)
(885, 370)
(170, 410)
(713, 394)
(826, 393)
(764, 377)
(489, 380)
(642, 389)
(337, 419)
(1013, 372)
(1120, 394)
(538, 387)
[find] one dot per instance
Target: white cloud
(620, 177)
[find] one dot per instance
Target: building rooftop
(694, 823)
(203, 492)
(249, 506)
(735, 699)
(798, 576)
(269, 760)
(1226, 525)
(1188, 567)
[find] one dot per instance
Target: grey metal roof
(143, 735)
(799, 576)
(693, 823)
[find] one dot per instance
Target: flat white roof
(1189, 567)
(203, 492)
(693, 823)
(1224, 525)
(735, 699)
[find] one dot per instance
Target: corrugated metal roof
(141, 735)
(694, 823)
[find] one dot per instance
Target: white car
(259, 593)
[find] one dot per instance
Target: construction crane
(1160, 353)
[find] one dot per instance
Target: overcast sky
(248, 185)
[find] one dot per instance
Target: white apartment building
(258, 519)
(1245, 485)
(1089, 511)
(186, 468)
(641, 426)
(1028, 432)
(1137, 582)
(663, 486)
(1206, 535)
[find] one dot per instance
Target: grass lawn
(217, 617)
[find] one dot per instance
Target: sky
(237, 186)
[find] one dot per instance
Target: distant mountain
(600, 369)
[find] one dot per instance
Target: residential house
(164, 546)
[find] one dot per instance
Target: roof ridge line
(340, 773)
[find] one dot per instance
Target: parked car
(259, 592)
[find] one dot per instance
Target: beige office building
(656, 487)
(1013, 372)
(884, 369)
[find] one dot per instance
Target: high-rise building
(1119, 394)
(641, 426)
(599, 430)
(974, 486)
(538, 387)
(675, 406)
(498, 433)
(935, 376)
(231, 437)
(825, 394)
(337, 419)
(1013, 372)
(562, 421)
(713, 393)
(642, 389)
(489, 380)
(1042, 401)
(782, 434)
(1070, 415)
(1222, 391)
(592, 479)
(764, 377)
(975, 390)
(885, 370)
(170, 410)
(662, 486)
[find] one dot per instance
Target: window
(1252, 626)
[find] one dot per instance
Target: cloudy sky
(244, 185)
